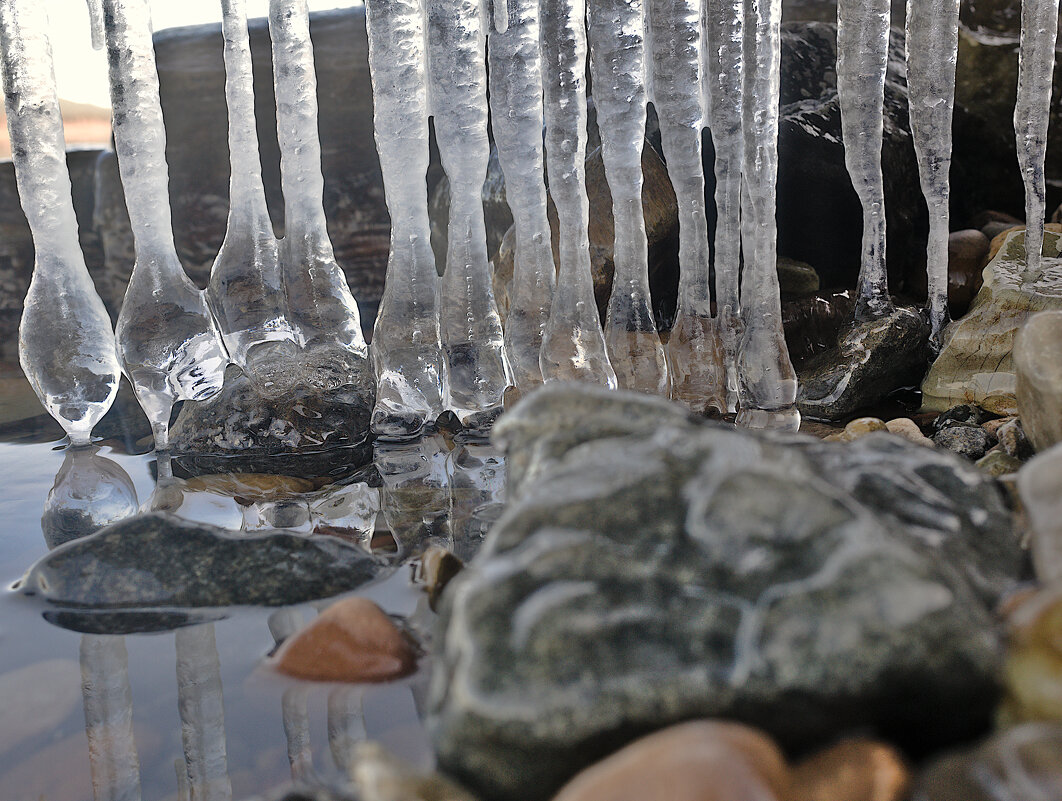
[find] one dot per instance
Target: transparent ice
(573, 345)
(1032, 114)
(768, 383)
(617, 67)
(408, 361)
(457, 96)
(90, 492)
(66, 345)
(516, 119)
(698, 370)
(168, 343)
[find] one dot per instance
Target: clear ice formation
(1032, 114)
(862, 58)
(90, 492)
(768, 383)
(932, 52)
(66, 345)
(573, 345)
(617, 67)
(457, 95)
(698, 371)
(516, 119)
(408, 361)
(168, 343)
(246, 288)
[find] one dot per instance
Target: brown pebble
(860, 427)
(351, 641)
(908, 429)
(983, 218)
(437, 567)
(855, 770)
(992, 426)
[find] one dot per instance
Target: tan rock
(975, 364)
(855, 770)
(437, 566)
(1039, 486)
(251, 487)
(700, 761)
(860, 427)
(351, 641)
(1037, 351)
(908, 429)
(993, 426)
(1033, 669)
(380, 776)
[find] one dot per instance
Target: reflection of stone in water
(416, 492)
(90, 492)
(348, 511)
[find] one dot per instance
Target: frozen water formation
(168, 343)
(66, 346)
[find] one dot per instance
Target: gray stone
(648, 573)
(972, 442)
(797, 279)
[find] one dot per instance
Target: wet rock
(1012, 439)
(997, 463)
(351, 641)
(976, 364)
(965, 414)
(967, 252)
(871, 360)
(1039, 378)
(972, 442)
(797, 278)
(380, 776)
(1034, 658)
(812, 324)
(651, 568)
(992, 223)
(160, 561)
(701, 761)
(854, 770)
(37, 699)
(1040, 491)
(437, 567)
(908, 429)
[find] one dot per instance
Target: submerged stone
(1039, 378)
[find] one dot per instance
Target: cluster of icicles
(439, 342)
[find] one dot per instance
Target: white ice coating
(617, 67)
(66, 345)
(168, 343)
(698, 372)
(932, 52)
(471, 326)
(246, 289)
(407, 352)
(320, 305)
(768, 383)
(201, 705)
(573, 346)
(1032, 114)
(862, 58)
(516, 119)
(108, 701)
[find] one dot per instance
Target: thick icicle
(573, 345)
(724, 26)
(862, 58)
(320, 305)
(1032, 114)
(767, 381)
(516, 119)
(246, 289)
(66, 346)
(617, 66)
(406, 349)
(698, 372)
(201, 706)
(471, 326)
(168, 343)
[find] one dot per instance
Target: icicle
(320, 305)
(168, 343)
(295, 713)
(724, 95)
(99, 35)
(246, 289)
(202, 711)
(1032, 114)
(471, 326)
(695, 347)
(766, 377)
(617, 66)
(501, 15)
(516, 119)
(66, 346)
(406, 348)
(932, 51)
(573, 345)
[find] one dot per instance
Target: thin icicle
(516, 119)
(201, 706)
(932, 51)
(99, 35)
(573, 346)
(501, 15)
(1032, 115)
(617, 66)
(406, 346)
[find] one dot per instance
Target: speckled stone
(972, 442)
(997, 462)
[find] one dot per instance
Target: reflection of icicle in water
(471, 326)
(932, 49)
(168, 343)
(346, 724)
(90, 492)
(767, 380)
(66, 345)
(617, 65)
(516, 119)
(202, 711)
(295, 712)
(862, 57)
(415, 493)
(698, 374)
(406, 348)
(1032, 114)
(573, 345)
(477, 485)
(246, 290)
(725, 22)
